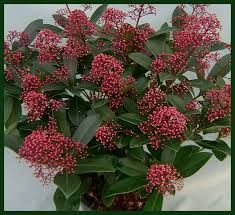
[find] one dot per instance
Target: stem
(139, 15)
(68, 8)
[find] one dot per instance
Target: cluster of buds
(219, 103)
(163, 124)
(181, 88)
(60, 74)
(107, 134)
(49, 152)
(163, 178)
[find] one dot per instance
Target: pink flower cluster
(181, 88)
(152, 99)
(106, 72)
(219, 103)
(163, 178)
(193, 105)
(107, 134)
(60, 74)
(47, 43)
(49, 152)
(22, 38)
(163, 124)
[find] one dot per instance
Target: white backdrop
(208, 189)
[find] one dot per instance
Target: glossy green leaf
(141, 84)
(68, 183)
(123, 141)
(130, 105)
(105, 113)
(13, 141)
(132, 118)
(168, 155)
(53, 28)
(141, 59)
(53, 87)
(219, 155)
(194, 163)
(154, 202)
(132, 167)
(177, 102)
(99, 163)
(172, 144)
(166, 29)
(88, 86)
(8, 105)
(137, 153)
(62, 122)
(138, 141)
(33, 28)
(98, 13)
(125, 185)
(222, 67)
(218, 46)
(61, 20)
(220, 82)
(166, 76)
(87, 129)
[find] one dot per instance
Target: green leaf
(137, 153)
(166, 76)
(60, 20)
(63, 204)
(62, 122)
(71, 64)
(202, 84)
(189, 134)
(53, 87)
(87, 129)
(194, 163)
(76, 111)
(123, 141)
(13, 141)
(105, 113)
(53, 28)
(217, 46)
(138, 141)
(217, 145)
(130, 105)
(99, 163)
(219, 155)
(177, 13)
(222, 67)
(173, 144)
(220, 82)
(154, 202)
(132, 118)
(15, 114)
(125, 185)
(183, 155)
(164, 30)
(168, 155)
(98, 13)
(141, 59)
(141, 84)
(8, 105)
(44, 68)
(33, 28)
(88, 86)
(177, 102)
(99, 103)
(67, 183)
(132, 167)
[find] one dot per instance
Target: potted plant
(105, 107)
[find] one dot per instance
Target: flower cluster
(164, 178)
(107, 134)
(47, 43)
(181, 88)
(152, 99)
(60, 74)
(163, 124)
(21, 38)
(49, 152)
(220, 103)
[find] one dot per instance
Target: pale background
(209, 189)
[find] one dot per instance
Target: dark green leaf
(217, 145)
(53, 87)
(202, 84)
(98, 13)
(71, 64)
(62, 122)
(8, 105)
(137, 153)
(219, 155)
(168, 155)
(76, 111)
(166, 76)
(189, 134)
(194, 163)
(177, 102)
(52, 28)
(33, 28)
(141, 84)
(88, 86)
(217, 46)
(63, 204)
(101, 163)
(87, 129)
(123, 141)
(67, 183)
(138, 141)
(60, 20)
(125, 185)
(222, 67)
(178, 12)
(220, 82)
(132, 118)
(154, 202)
(132, 167)
(130, 105)
(164, 30)
(12, 140)
(99, 103)
(141, 59)
(173, 144)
